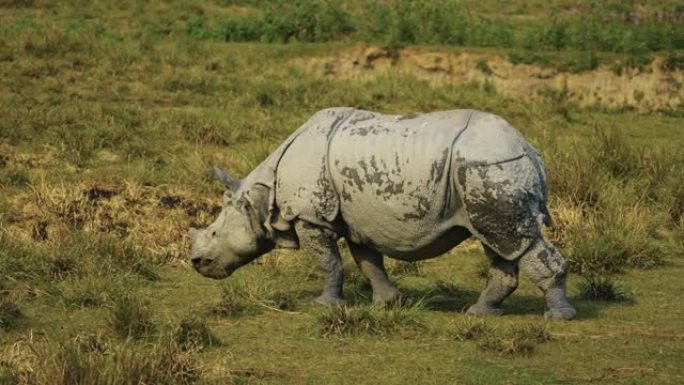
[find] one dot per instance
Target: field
(112, 114)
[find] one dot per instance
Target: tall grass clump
(193, 334)
(340, 321)
(80, 361)
(601, 288)
(131, 316)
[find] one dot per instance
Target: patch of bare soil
(646, 89)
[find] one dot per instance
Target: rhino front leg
(547, 268)
(372, 265)
(323, 244)
(502, 280)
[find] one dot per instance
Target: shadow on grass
(447, 297)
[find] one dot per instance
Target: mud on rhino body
(410, 187)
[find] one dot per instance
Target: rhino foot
(484, 310)
(561, 313)
(326, 300)
(386, 298)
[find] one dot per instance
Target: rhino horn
(232, 184)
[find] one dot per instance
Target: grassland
(111, 115)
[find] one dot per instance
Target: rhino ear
(232, 184)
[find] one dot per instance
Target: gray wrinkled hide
(411, 187)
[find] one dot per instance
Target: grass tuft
(601, 289)
(404, 268)
(10, 313)
(82, 361)
(194, 334)
(471, 328)
(131, 316)
(520, 340)
(251, 297)
(507, 345)
(339, 321)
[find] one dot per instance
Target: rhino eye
(213, 233)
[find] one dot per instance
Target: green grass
(112, 114)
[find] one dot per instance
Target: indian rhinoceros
(410, 187)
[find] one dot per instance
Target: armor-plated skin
(410, 187)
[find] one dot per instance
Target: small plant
(601, 289)
(338, 321)
(194, 334)
(131, 316)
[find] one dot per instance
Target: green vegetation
(350, 321)
(112, 114)
(584, 28)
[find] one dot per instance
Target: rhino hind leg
(547, 268)
(372, 265)
(502, 280)
(322, 244)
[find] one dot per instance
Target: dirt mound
(647, 89)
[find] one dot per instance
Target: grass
(339, 321)
(10, 313)
(112, 115)
(585, 30)
(602, 289)
(194, 334)
(82, 362)
(519, 340)
(131, 316)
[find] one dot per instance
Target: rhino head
(237, 236)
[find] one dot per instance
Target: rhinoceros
(410, 187)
